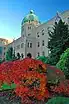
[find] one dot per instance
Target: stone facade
(3, 43)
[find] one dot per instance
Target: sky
(13, 11)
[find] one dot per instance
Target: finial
(31, 11)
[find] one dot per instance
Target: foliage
(54, 75)
(5, 86)
(30, 81)
(59, 41)
(62, 88)
(58, 100)
(0, 60)
(31, 78)
(10, 54)
(63, 63)
(42, 58)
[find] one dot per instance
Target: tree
(10, 54)
(63, 63)
(59, 41)
(0, 60)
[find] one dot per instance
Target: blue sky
(13, 11)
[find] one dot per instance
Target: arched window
(42, 42)
(22, 55)
(28, 44)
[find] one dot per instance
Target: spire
(58, 17)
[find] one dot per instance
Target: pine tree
(59, 41)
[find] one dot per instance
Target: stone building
(34, 35)
(3, 43)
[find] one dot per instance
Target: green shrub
(63, 63)
(58, 100)
(42, 58)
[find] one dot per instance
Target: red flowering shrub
(62, 88)
(29, 77)
(54, 75)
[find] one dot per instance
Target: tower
(29, 22)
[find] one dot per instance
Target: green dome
(30, 17)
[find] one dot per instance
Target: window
(29, 34)
(29, 27)
(18, 47)
(22, 55)
(38, 44)
(43, 32)
(4, 53)
(42, 42)
(30, 45)
(38, 54)
(37, 34)
(22, 45)
(43, 53)
(4, 48)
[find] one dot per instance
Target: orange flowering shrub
(29, 77)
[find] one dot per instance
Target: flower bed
(32, 80)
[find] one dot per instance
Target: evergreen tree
(59, 41)
(10, 55)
